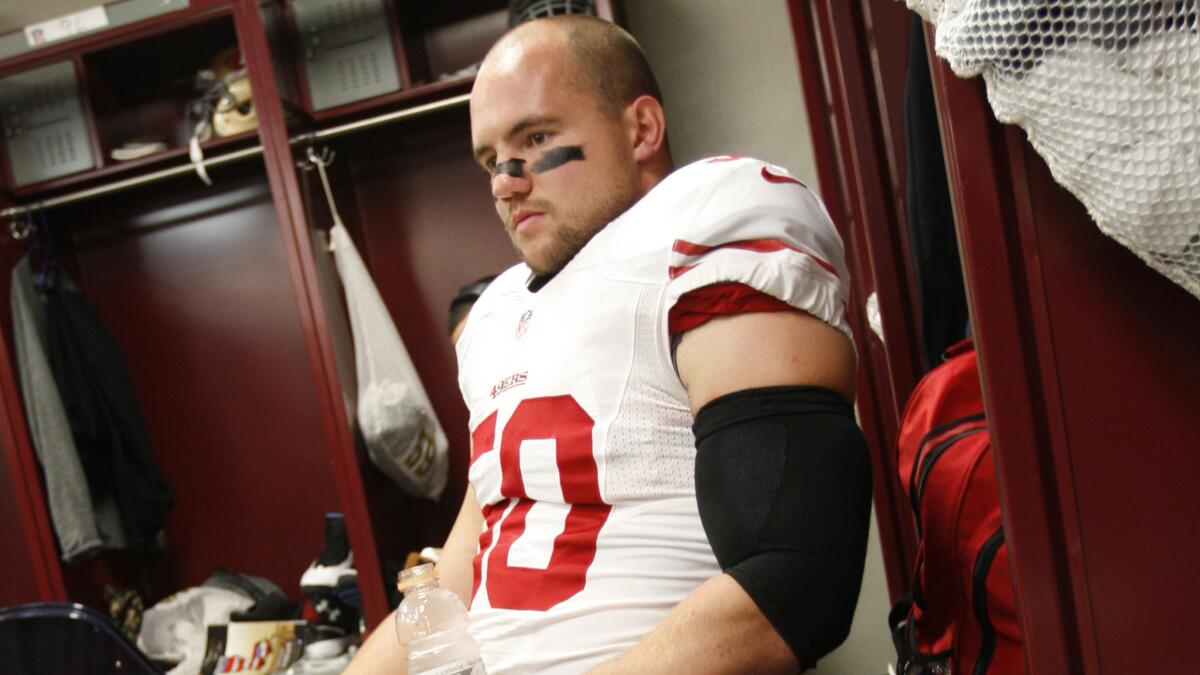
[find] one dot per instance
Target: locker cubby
(140, 90)
(413, 200)
(443, 41)
(193, 283)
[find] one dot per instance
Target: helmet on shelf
(233, 111)
(520, 11)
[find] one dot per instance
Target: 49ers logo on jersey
(509, 382)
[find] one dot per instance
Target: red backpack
(960, 615)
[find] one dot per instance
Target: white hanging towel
(402, 433)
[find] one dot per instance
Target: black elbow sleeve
(783, 482)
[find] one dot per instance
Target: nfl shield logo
(523, 324)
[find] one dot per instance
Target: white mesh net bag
(399, 427)
(1109, 93)
(402, 433)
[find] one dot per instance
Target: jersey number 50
(560, 418)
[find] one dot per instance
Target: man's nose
(506, 185)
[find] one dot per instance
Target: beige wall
(729, 76)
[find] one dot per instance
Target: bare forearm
(381, 654)
(717, 628)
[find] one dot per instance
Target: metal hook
(20, 227)
(324, 158)
(321, 160)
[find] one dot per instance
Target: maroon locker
(1087, 356)
(1096, 431)
(852, 66)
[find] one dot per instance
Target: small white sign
(67, 26)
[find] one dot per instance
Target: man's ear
(647, 127)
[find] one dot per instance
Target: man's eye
(538, 137)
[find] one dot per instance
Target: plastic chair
(66, 639)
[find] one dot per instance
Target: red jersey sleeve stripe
(695, 308)
(688, 248)
(779, 178)
(678, 271)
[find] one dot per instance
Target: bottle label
(462, 667)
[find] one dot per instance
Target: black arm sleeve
(783, 482)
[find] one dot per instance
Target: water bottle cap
(418, 574)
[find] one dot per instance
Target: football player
(666, 474)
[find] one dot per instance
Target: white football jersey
(583, 452)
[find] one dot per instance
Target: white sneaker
(323, 577)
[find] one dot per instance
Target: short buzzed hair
(609, 62)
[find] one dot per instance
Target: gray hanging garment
(82, 528)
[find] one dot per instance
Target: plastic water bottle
(432, 625)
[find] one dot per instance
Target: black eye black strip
(556, 157)
(513, 167)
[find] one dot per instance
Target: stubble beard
(572, 232)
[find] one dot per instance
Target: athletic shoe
(335, 560)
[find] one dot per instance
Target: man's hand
(382, 653)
